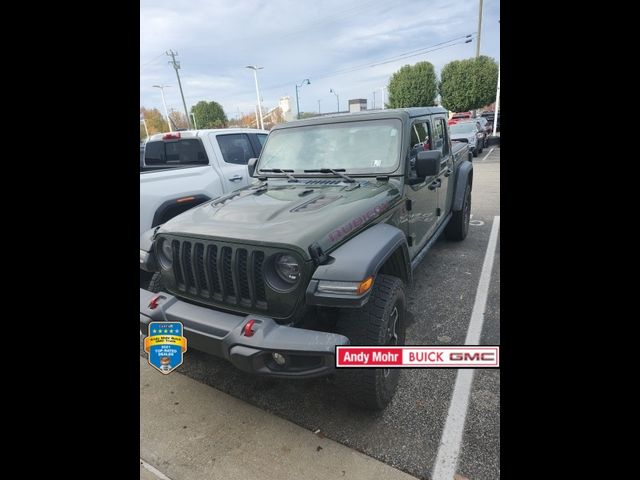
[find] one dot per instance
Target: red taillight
(247, 331)
(171, 136)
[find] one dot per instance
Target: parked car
(183, 169)
(461, 116)
(486, 127)
(490, 116)
(318, 251)
(471, 133)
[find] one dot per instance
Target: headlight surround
(287, 268)
(165, 253)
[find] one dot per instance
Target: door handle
(448, 172)
(235, 178)
(435, 184)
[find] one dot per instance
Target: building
(357, 105)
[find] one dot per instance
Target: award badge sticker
(165, 345)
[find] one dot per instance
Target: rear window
(182, 152)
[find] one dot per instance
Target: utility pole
(176, 66)
(382, 91)
(374, 100)
(479, 30)
(318, 107)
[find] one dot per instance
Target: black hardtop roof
(410, 112)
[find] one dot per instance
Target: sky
(351, 47)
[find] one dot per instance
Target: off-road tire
(156, 285)
(458, 226)
(373, 388)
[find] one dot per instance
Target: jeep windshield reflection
(365, 147)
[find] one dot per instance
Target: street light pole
(479, 31)
(304, 82)
(255, 69)
(318, 107)
(331, 90)
(195, 125)
(382, 92)
(374, 100)
(495, 116)
(166, 114)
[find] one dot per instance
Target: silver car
(469, 132)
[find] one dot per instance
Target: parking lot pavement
(408, 433)
(190, 431)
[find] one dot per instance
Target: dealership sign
(418, 357)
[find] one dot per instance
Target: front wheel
(380, 322)
(458, 226)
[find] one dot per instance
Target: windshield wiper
(279, 170)
(334, 171)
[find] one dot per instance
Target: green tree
(469, 84)
(413, 86)
(209, 115)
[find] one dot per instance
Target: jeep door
(421, 192)
(441, 143)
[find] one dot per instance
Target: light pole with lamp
(166, 114)
(304, 82)
(255, 69)
(337, 99)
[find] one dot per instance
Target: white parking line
(154, 470)
(451, 441)
(485, 157)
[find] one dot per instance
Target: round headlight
(165, 252)
(287, 268)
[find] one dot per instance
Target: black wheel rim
(392, 332)
(467, 211)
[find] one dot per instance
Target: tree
(413, 86)
(154, 120)
(209, 115)
(469, 84)
(179, 119)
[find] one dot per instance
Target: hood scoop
(316, 203)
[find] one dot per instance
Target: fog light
(279, 359)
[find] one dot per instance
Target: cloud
(295, 40)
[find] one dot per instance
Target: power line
(152, 60)
(410, 53)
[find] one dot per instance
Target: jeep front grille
(223, 274)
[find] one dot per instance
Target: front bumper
(309, 353)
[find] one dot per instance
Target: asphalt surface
(407, 434)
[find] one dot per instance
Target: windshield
(462, 128)
(371, 146)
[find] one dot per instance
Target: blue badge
(165, 345)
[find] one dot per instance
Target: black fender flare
(464, 175)
(188, 201)
(359, 258)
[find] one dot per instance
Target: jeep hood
(290, 214)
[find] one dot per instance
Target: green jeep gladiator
(318, 250)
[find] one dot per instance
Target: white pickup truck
(183, 169)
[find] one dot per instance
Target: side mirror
(428, 163)
(252, 166)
